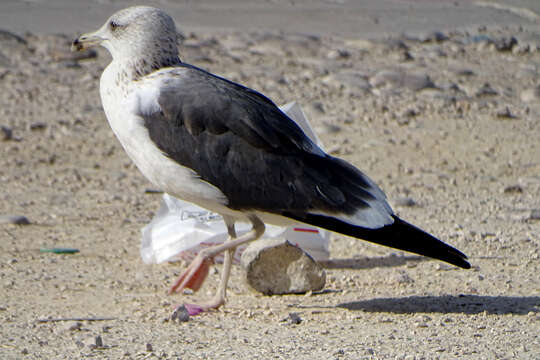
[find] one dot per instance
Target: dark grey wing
(239, 141)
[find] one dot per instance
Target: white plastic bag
(181, 229)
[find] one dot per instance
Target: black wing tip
(398, 235)
(435, 248)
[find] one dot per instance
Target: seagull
(225, 147)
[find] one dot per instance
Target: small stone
(338, 54)
(275, 266)
(435, 36)
(486, 90)
(14, 219)
(535, 214)
(181, 314)
(405, 56)
(513, 189)
(98, 341)
(6, 132)
(294, 318)
(505, 44)
(328, 128)
(149, 347)
(24, 351)
(402, 278)
(506, 113)
(74, 326)
(531, 95)
(404, 201)
(37, 126)
(401, 79)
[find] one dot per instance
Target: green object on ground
(60, 250)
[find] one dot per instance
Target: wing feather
(241, 142)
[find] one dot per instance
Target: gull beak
(86, 41)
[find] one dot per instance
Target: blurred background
(367, 18)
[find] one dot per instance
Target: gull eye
(113, 25)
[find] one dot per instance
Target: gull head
(133, 33)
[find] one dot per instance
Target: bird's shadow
(466, 304)
(371, 262)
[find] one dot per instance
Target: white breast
(121, 107)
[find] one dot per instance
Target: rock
(95, 343)
(181, 314)
(401, 278)
(405, 56)
(99, 341)
(351, 79)
(535, 214)
(394, 44)
(8, 35)
(505, 44)
(338, 54)
(327, 128)
(486, 90)
(293, 318)
(401, 78)
(73, 326)
(275, 266)
(531, 95)
(14, 219)
(513, 189)
(6, 133)
(404, 201)
(506, 113)
(37, 126)
(435, 36)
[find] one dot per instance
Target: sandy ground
(446, 123)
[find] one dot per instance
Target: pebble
(37, 126)
(99, 341)
(402, 278)
(328, 128)
(14, 219)
(505, 43)
(74, 326)
(404, 201)
(486, 90)
(531, 95)
(338, 54)
(6, 132)
(275, 266)
(8, 35)
(535, 214)
(181, 314)
(435, 36)
(351, 79)
(293, 318)
(95, 343)
(513, 189)
(401, 79)
(506, 113)
(149, 347)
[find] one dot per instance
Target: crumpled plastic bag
(180, 229)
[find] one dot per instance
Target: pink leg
(194, 275)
